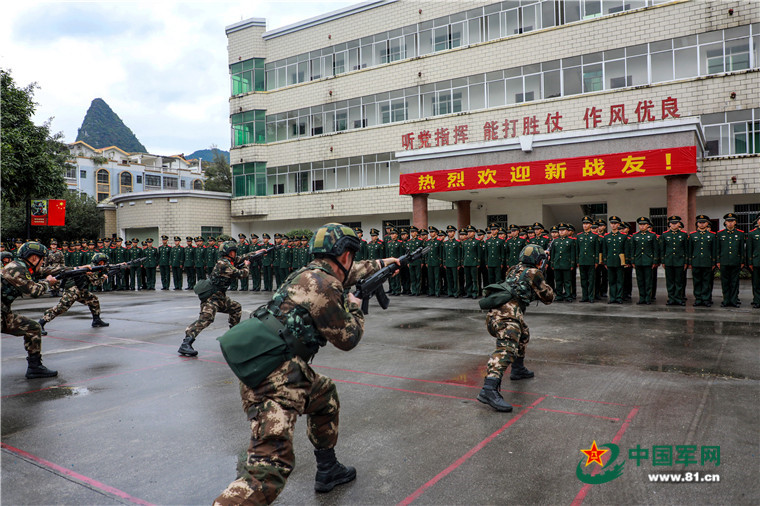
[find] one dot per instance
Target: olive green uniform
(645, 252)
(674, 249)
(730, 257)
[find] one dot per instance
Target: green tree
(33, 161)
(218, 174)
(83, 219)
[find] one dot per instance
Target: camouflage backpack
(514, 286)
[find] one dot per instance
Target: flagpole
(28, 220)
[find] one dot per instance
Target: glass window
(552, 84)
(458, 34)
(125, 182)
(496, 93)
(614, 73)
(514, 90)
(103, 184)
(477, 97)
(662, 67)
(572, 81)
(711, 58)
(637, 70)
(592, 78)
(685, 62)
(572, 10)
(737, 55)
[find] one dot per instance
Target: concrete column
(692, 212)
(678, 196)
(463, 213)
(420, 210)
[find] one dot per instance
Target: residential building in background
(510, 112)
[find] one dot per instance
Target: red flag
(56, 213)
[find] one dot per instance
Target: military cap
(554, 228)
(358, 230)
(702, 217)
(413, 229)
(90, 243)
(211, 238)
(199, 238)
(594, 224)
(470, 228)
(643, 220)
(481, 231)
(374, 231)
(99, 240)
(392, 230)
(165, 237)
(278, 235)
(65, 243)
(513, 227)
(601, 223)
(538, 225)
(19, 240)
(431, 228)
(265, 236)
(177, 238)
(587, 219)
(674, 219)
(305, 238)
(729, 216)
(149, 240)
(423, 231)
(571, 227)
(502, 230)
(615, 219)
(404, 230)
(493, 226)
(188, 238)
(53, 241)
(75, 243)
(254, 236)
(241, 236)
(135, 240)
(561, 226)
(450, 228)
(106, 239)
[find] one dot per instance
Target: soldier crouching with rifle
(311, 308)
(76, 289)
(17, 280)
(506, 302)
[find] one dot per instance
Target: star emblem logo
(594, 454)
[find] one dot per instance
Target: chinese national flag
(56, 213)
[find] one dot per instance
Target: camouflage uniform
(77, 292)
(17, 281)
(294, 388)
(224, 272)
(506, 323)
(54, 260)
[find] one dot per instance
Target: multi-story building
(106, 172)
(480, 111)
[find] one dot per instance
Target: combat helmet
(32, 248)
(227, 247)
(99, 257)
(333, 239)
(532, 254)
(6, 254)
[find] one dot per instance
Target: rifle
(253, 256)
(372, 285)
(109, 269)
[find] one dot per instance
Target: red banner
(655, 162)
(56, 213)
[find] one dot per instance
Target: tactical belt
(268, 316)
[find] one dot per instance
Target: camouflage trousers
(217, 302)
(17, 325)
(512, 336)
(69, 297)
(291, 390)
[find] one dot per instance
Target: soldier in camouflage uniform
(311, 304)
(17, 280)
(506, 324)
(224, 272)
(54, 260)
(76, 290)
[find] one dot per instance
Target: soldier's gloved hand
(392, 260)
(51, 279)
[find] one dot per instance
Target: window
(125, 182)
(249, 179)
(659, 217)
(745, 214)
(139, 179)
(207, 232)
(83, 174)
(152, 182)
(247, 76)
(596, 211)
(501, 220)
(732, 133)
(197, 184)
(170, 183)
(182, 183)
(395, 224)
(249, 128)
(103, 186)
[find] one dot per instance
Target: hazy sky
(160, 65)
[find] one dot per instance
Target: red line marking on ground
(579, 414)
(405, 390)
(68, 472)
(584, 490)
(461, 460)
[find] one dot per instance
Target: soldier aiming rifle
(373, 285)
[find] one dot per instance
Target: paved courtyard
(129, 421)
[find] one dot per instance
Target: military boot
(35, 369)
(42, 324)
(519, 371)
(187, 347)
(330, 472)
(490, 395)
(97, 322)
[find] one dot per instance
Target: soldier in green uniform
(494, 255)
(645, 255)
(625, 229)
(553, 234)
(362, 253)
(200, 259)
(243, 248)
(753, 260)
(601, 276)
(730, 259)
(404, 271)
(106, 250)
(394, 248)
(452, 261)
(375, 247)
(117, 256)
(188, 262)
(703, 247)
(415, 267)
(150, 263)
(176, 259)
(588, 259)
(614, 260)
(574, 273)
(283, 259)
(563, 256)
(674, 250)
(515, 244)
(212, 255)
(267, 262)
(133, 271)
(470, 263)
(164, 264)
(255, 266)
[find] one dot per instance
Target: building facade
(107, 172)
(402, 112)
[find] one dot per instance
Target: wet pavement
(128, 421)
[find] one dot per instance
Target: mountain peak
(102, 128)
